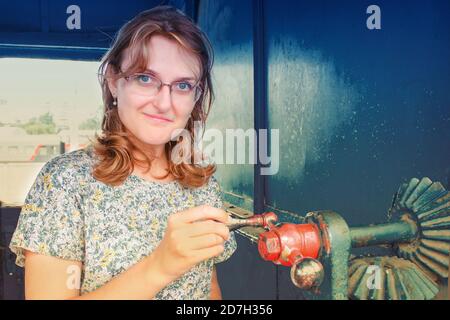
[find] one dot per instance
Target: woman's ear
(111, 79)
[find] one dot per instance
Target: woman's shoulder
(210, 192)
(211, 184)
(71, 165)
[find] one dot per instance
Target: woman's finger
(200, 228)
(204, 241)
(203, 212)
(208, 253)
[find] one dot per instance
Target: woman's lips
(157, 118)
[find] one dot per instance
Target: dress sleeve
(51, 221)
(230, 245)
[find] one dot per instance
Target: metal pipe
(402, 231)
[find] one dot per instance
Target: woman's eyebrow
(152, 72)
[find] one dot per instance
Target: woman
(124, 218)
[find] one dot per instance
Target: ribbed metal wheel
(429, 204)
(389, 278)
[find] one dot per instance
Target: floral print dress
(71, 215)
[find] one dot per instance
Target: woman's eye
(145, 79)
(184, 86)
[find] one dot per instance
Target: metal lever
(265, 220)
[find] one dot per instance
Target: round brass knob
(307, 274)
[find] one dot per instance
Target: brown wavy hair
(117, 148)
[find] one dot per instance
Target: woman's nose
(163, 99)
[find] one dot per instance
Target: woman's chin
(154, 141)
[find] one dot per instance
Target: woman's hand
(191, 236)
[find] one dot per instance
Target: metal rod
(387, 233)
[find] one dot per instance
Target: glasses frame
(196, 86)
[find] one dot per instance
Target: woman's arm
(48, 277)
(216, 293)
(191, 236)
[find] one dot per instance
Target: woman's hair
(116, 148)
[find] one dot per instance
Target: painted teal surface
(359, 110)
(228, 25)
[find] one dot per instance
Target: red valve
(290, 243)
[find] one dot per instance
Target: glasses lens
(149, 86)
(185, 93)
(144, 84)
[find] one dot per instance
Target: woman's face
(169, 62)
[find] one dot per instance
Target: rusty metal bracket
(335, 253)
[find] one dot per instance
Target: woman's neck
(157, 171)
(157, 154)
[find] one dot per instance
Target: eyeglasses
(182, 92)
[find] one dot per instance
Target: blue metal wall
(359, 111)
(229, 26)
